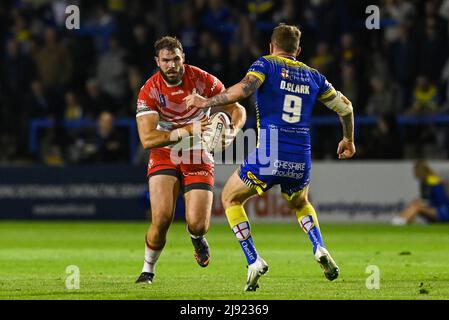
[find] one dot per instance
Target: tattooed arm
(347, 123)
(237, 92)
(346, 147)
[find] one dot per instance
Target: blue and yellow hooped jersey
(285, 100)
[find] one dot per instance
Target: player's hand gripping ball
(220, 134)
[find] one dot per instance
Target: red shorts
(193, 173)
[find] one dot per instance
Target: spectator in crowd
(217, 19)
(16, 74)
(135, 82)
(188, 31)
(235, 65)
(350, 85)
(348, 52)
(432, 51)
(399, 12)
(217, 58)
(53, 62)
(97, 100)
(38, 101)
(425, 98)
(287, 14)
(384, 142)
(323, 59)
(73, 110)
(111, 72)
(106, 144)
(403, 55)
(141, 48)
(445, 79)
(50, 151)
(380, 100)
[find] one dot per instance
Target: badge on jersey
(284, 73)
(162, 100)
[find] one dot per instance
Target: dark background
(397, 77)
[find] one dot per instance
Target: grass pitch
(413, 262)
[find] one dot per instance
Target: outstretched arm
(246, 87)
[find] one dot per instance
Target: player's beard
(175, 78)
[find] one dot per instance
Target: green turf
(413, 262)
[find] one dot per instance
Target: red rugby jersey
(156, 96)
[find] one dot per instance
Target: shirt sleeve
(259, 69)
(213, 86)
(145, 105)
(326, 89)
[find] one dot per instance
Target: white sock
(399, 221)
(151, 257)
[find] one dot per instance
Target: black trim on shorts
(198, 186)
(166, 172)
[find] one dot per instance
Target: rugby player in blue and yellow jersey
(286, 91)
(433, 205)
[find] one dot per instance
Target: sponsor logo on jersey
(258, 63)
(255, 180)
(288, 169)
(202, 173)
(180, 91)
(280, 164)
(288, 174)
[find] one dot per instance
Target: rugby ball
(214, 139)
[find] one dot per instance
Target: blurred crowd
(94, 74)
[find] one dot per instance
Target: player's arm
(246, 87)
(343, 107)
(150, 137)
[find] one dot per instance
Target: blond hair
(286, 37)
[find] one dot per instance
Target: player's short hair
(286, 37)
(169, 43)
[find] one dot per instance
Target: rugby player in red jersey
(165, 124)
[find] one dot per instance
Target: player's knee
(198, 228)
(162, 221)
(228, 200)
(299, 203)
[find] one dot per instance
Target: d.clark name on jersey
(295, 88)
